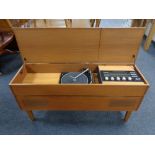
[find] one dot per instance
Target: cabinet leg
(30, 114)
(127, 115)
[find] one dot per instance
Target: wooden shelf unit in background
(150, 36)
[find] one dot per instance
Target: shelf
(42, 78)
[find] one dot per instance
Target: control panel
(130, 76)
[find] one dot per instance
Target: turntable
(83, 77)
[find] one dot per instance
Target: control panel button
(118, 78)
(112, 79)
(106, 78)
(124, 78)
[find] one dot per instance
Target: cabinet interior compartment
(50, 73)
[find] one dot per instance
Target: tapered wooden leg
(127, 115)
(30, 114)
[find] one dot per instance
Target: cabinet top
(79, 45)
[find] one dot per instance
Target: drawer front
(88, 90)
(78, 103)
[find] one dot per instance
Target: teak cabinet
(49, 51)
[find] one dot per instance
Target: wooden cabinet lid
(79, 45)
(120, 45)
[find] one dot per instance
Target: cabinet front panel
(92, 90)
(78, 103)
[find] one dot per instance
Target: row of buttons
(118, 78)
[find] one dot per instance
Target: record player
(83, 77)
(79, 69)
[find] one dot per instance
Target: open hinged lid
(79, 45)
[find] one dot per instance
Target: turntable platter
(69, 78)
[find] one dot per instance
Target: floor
(13, 121)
